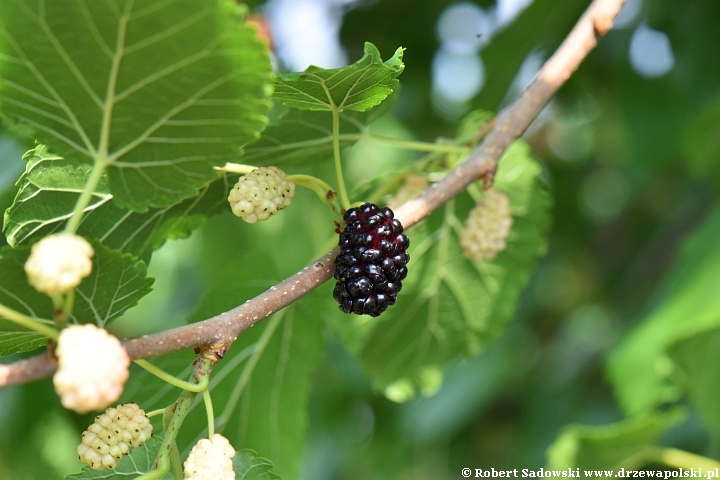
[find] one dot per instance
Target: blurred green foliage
(634, 224)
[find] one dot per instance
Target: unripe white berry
(113, 435)
(261, 194)
(210, 459)
(58, 263)
(487, 226)
(413, 186)
(92, 368)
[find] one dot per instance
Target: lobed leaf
(607, 446)
(638, 366)
(50, 186)
(450, 307)
(159, 91)
(360, 86)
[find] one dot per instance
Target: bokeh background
(631, 152)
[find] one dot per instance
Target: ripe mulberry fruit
(92, 368)
(58, 263)
(372, 262)
(487, 227)
(261, 194)
(113, 435)
(210, 459)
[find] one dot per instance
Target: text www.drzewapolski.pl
(577, 473)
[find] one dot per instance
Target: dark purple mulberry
(372, 262)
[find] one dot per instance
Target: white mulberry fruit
(113, 435)
(487, 227)
(261, 194)
(210, 459)
(412, 187)
(92, 368)
(58, 263)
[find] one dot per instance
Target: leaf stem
(413, 145)
(84, 199)
(175, 463)
(313, 183)
(324, 191)
(155, 413)
(210, 414)
(236, 168)
(163, 375)
(344, 199)
(178, 411)
(37, 325)
(160, 470)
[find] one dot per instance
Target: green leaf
(302, 137)
(450, 307)
(139, 461)
(248, 466)
(120, 83)
(267, 376)
(117, 282)
(360, 86)
(50, 186)
(17, 294)
(638, 366)
(261, 387)
(699, 360)
(701, 141)
(606, 446)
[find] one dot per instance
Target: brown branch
(512, 122)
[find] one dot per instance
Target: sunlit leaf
(606, 446)
(450, 307)
(638, 366)
(360, 86)
(698, 358)
(160, 91)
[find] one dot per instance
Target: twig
(512, 122)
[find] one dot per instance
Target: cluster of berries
(261, 194)
(114, 434)
(210, 459)
(487, 226)
(372, 262)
